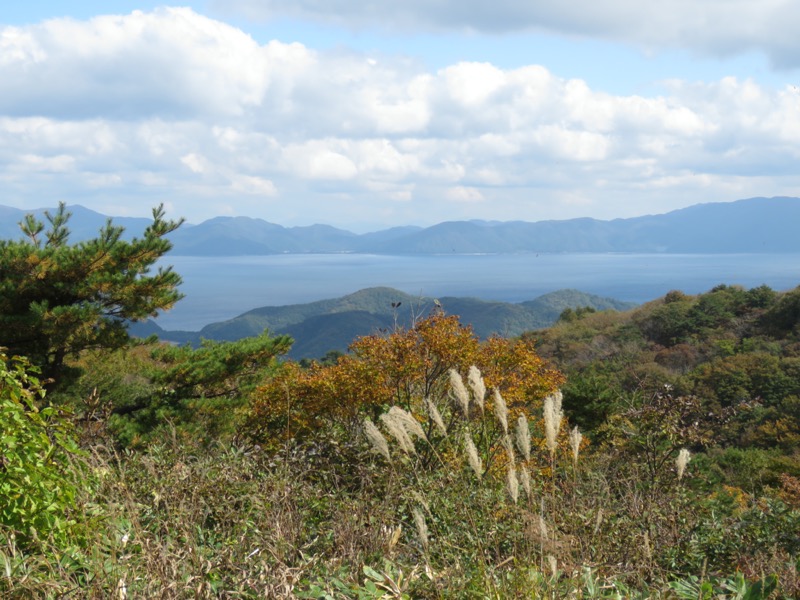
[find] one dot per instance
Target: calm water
(219, 288)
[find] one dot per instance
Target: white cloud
(196, 164)
(174, 105)
(463, 194)
(170, 62)
(706, 26)
(257, 186)
(472, 84)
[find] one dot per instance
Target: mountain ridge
(753, 225)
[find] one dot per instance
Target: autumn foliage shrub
(401, 368)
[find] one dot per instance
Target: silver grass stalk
(472, 455)
(420, 499)
(509, 446)
(575, 439)
(376, 439)
(398, 433)
(542, 527)
(552, 420)
(122, 590)
(475, 381)
(558, 397)
(512, 483)
(436, 416)
(523, 437)
(598, 520)
(684, 456)
(422, 527)
(525, 478)
(501, 410)
(409, 423)
(460, 392)
(553, 564)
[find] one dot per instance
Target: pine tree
(57, 299)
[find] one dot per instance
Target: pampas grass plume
(509, 446)
(575, 439)
(398, 432)
(553, 564)
(525, 479)
(512, 483)
(436, 416)
(524, 437)
(684, 456)
(552, 420)
(543, 528)
(472, 455)
(478, 387)
(598, 520)
(376, 439)
(408, 422)
(501, 410)
(460, 392)
(422, 527)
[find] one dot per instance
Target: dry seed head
(509, 446)
(512, 483)
(422, 527)
(525, 478)
(501, 410)
(399, 433)
(575, 439)
(553, 564)
(542, 527)
(460, 392)
(376, 439)
(122, 589)
(436, 416)
(394, 537)
(409, 423)
(523, 437)
(472, 455)
(552, 420)
(684, 456)
(420, 499)
(598, 520)
(478, 387)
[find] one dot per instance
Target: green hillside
(731, 356)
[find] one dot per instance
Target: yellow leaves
(401, 369)
(514, 367)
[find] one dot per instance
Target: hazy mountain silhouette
(747, 226)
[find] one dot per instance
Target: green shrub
(39, 460)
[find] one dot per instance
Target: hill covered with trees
(732, 355)
(331, 325)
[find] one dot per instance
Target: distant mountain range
(319, 327)
(746, 226)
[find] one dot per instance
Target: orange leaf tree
(402, 369)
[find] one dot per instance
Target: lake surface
(219, 288)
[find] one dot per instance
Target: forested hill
(723, 368)
(319, 327)
(752, 225)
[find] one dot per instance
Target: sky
(367, 114)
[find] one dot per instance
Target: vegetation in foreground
(421, 464)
